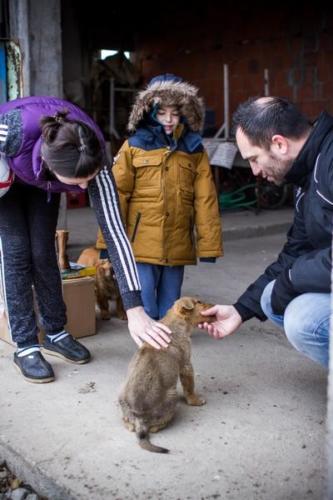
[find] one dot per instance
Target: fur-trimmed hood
(169, 90)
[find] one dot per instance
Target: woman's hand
(144, 329)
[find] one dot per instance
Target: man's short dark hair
(261, 118)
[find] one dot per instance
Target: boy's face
(168, 117)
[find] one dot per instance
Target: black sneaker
(34, 367)
(68, 349)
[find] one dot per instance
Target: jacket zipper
(137, 220)
(192, 231)
(167, 156)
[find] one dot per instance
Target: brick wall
(295, 45)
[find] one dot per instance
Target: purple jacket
(20, 121)
(20, 142)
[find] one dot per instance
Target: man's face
(271, 164)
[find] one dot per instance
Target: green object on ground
(237, 198)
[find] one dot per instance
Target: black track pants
(28, 223)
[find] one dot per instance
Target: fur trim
(168, 93)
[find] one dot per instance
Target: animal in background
(61, 245)
(106, 286)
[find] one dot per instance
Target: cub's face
(190, 308)
(105, 281)
(103, 268)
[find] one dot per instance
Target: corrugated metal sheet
(14, 71)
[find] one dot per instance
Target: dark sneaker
(34, 367)
(67, 348)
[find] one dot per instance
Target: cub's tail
(142, 434)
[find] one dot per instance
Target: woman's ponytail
(51, 124)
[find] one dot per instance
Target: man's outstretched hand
(228, 320)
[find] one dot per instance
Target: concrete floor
(261, 434)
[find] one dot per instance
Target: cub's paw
(122, 315)
(129, 425)
(105, 315)
(195, 400)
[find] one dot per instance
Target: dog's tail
(142, 434)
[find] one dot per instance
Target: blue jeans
(306, 322)
(160, 287)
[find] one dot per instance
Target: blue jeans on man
(306, 322)
(160, 287)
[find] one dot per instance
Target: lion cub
(148, 399)
(106, 286)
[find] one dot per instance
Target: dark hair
(70, 148)
(262, 117)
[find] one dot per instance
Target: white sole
(34, 380)
(61, 356)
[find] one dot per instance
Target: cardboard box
(79, 297)
(4, 330)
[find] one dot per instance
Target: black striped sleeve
(104, 197)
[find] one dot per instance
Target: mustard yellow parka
(167, 195)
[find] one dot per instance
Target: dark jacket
(304, 264)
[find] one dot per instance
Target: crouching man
(294, 292)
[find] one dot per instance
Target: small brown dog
(106, 286)
(148, 399)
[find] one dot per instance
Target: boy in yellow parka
(167, 195)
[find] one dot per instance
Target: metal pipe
(266, 82)
(226, 101)
(113, 130)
